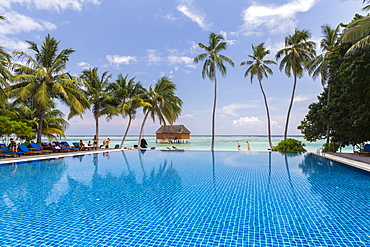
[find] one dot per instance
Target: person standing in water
(249, 145)
(238, 143)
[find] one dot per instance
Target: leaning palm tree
(213, 61)
(358, 33)
(258, 67)
(4, 74)
(319, 66)
(97, 93)
(162, 103)
(295, 55)
(42, 79)
(4, 71)
(126, 92)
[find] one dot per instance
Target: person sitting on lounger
(80, 145)
(106, 144)
(13, 146)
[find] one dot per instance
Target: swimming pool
(191, 198)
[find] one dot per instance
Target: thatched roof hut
(172, 133)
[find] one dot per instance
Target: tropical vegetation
(162, 103)
(258, 67)
(319, 66)
(96, 92)
(43, 78)
(127, 95)
(9, 127)
(358, 32)
(298, 51)
(290, 145)
(347, 113)
(213, 60)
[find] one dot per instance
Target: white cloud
(273, 16)
(187, 116)
(57, 5)
(153, 56)
(170, 17)
(13, 44)
(17, 23)
(274, 46)
(229, 41)
(195, 15)
(230, 109)
(179, 59)
(117, 59)
(84, 65)
(303, 98)
(246, 121)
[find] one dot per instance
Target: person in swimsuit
(95, 142)
(13, 146)
(249, 145)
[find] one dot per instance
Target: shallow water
(222, 143)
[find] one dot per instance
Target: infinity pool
(191, 198)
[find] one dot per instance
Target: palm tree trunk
(142, 128)
(214, 114)
(328, 126)
(268, 115)
(40, 127)
(128, 127)
(290, 107)
(96, 126)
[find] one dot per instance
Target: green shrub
(290, 145)
(331, 147)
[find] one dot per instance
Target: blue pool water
(191, 198)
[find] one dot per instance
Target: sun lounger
(36, 147)
(366, 150)
(25, 149)
(69, 146)
(57, 149)
(75, 144)
(2, 155)
(5, 150)
(64, 147)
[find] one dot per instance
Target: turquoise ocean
(203, 142)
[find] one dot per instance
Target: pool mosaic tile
(155, 198)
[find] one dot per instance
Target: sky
(149, 39)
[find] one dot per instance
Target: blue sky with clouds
(149, 39)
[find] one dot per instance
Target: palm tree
(213, 61)
(54, 123)
(96, 90)
(297, 52)
(358, 32)
(43, 79)
(258, 67)
(127, 94)
(162, 103)
(320, 64)
(4, 72)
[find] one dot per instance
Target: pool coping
(354, 163)
(27, 158)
